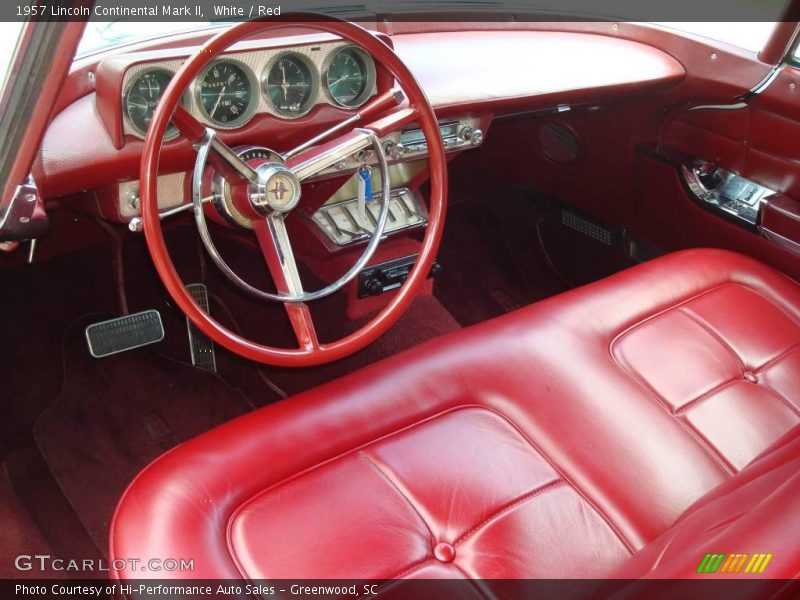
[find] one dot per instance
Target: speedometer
(225, 93)
(142, 97)
(291, 84)
(350, 77)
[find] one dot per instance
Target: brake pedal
(201, 346)
(124, 333)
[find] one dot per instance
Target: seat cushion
(557, 441)
(751, 522)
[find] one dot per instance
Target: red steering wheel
(388, 111)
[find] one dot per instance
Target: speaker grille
(587, 227)
(558, 143)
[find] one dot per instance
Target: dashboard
(274, 93)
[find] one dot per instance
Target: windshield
(748, 25)
(103, 35)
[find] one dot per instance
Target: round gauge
(350, 77)
(291, 85)
(225, 93)
(142, 97)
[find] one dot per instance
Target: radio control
(472, 135)
(456, 135)
(476, 138)
(398, 151)
(372, 286)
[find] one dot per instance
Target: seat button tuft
(750, 376)
(444, 552)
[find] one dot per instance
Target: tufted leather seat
(578, 437)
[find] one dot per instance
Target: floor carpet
(115, 415)
(18, 534)
(425, 319)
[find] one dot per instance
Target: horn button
(278, 189)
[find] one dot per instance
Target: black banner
(540, 589)
(396, 10)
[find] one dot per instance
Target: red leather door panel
(758, 141)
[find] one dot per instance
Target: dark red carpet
(20, 536)
(116, 414)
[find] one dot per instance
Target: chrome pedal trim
(201, 347)
(124, 333)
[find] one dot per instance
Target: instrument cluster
(229, 92)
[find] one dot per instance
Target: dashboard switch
(398, 151)
(472, 135)
(476, 138)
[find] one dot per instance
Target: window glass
(9, 34)
(750, 36)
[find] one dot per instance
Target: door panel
(758, 141)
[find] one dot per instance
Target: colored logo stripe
(758, 563)
(734, 563)
(710, 563)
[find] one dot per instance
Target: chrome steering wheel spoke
(311, 162)
(277, 249)
(273, 238)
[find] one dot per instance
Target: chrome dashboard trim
(762, 85)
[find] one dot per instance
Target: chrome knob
(398, 151)
(388, 146)
(135, 225)
(471, 135)
(476, 138)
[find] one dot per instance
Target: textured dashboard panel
(256, 61)
(171, 193)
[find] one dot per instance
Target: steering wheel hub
(278, 189)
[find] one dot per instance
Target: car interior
(391, 299)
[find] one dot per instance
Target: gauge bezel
(372, 76)
(313, 96)
(173, 132)
(253, 102)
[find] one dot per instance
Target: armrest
(780, 222)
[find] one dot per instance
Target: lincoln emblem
(279, 190)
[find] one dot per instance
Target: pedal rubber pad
(201, 346)
(124, 333)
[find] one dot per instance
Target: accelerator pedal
(200, 345)
(124, 333)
